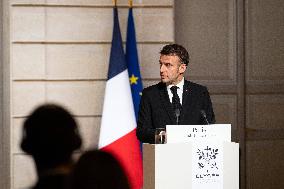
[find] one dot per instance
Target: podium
(191, 165)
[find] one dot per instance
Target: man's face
(171, 69)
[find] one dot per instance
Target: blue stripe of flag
(133, 63)
(117, 62)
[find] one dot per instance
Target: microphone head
(204, 116)
(177, 112)
(203, 113)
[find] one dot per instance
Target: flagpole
(130, 2)
(114, 2)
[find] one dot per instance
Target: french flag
(118, 124)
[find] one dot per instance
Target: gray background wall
(5, 161)
(237, 49)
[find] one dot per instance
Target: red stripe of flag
(129, 156)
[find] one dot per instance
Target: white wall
(59, 51)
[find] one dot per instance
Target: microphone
(177, 112)
(204, 116)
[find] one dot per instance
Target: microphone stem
(177, 112)
(177, 120)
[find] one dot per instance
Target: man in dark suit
(174, 100)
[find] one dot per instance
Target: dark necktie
(176, 103)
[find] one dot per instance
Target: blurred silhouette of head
(98, 170)
(50, 135)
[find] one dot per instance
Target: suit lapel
(187, 100)
(166, 102)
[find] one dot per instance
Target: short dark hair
(178, 50)
(50, 134)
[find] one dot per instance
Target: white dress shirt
(179, 90)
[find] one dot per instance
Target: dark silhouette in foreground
(50, 136)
